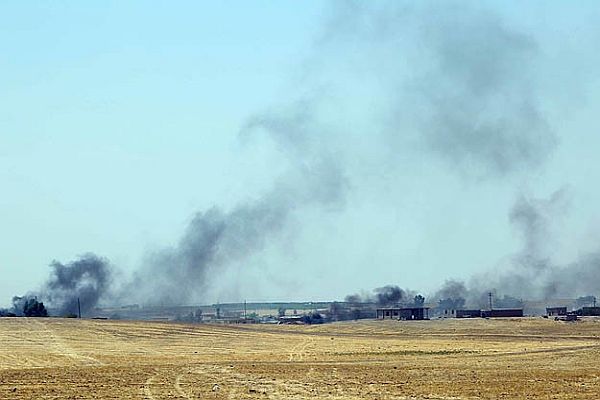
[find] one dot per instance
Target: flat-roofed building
(403, 313)
(556, 311)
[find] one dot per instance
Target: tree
(419, 301)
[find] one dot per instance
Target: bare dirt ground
(444, 359)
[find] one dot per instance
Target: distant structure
(589, 312)
(468, 313)
(556, 311)
(404, 313)
(292, 320)
(502, 313)
(568, 317)
(491, 313)
(494, 313)
(447, 313)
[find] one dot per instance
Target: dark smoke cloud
(389, 295)
(532, 273)
(533, 218)
(470, 99)
(88, 278)
(455, 295)
(355, 299)
(452, 295)
(579, 277)
(19, 306)
(212, 239)
(528, 274)
(458, 78)
(455, 81)
(481, 108)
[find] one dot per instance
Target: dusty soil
(442, 359)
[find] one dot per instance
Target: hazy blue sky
(120, 120)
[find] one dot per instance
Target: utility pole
(490, 296)
(244, 309)
(594, 301)
(78, 308)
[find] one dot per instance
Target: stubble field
(442, 359)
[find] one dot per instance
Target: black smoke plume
(216, 239)
(389, 295)
(452, 295)
(531, 273)
(87, 279)
(456, 81)
(25, 306)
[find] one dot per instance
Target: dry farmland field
(443, 359)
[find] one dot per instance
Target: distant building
(403, 313)
(445, 313)
(292, 319)
(502, 313)
(589, 311)
(556, 311)
(468, 313)
(568, 317)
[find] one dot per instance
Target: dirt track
(449, 359)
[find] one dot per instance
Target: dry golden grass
(445, 359)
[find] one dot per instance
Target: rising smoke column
(452, 295)
(87, 278)
(467, 99)
(389, 295)
(455, 83)
(532, 273)
(216, 239)
(529, 273)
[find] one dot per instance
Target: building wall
(468, 313)
(553, 311)
(589, 311)
(402, 313)
(502, 313)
